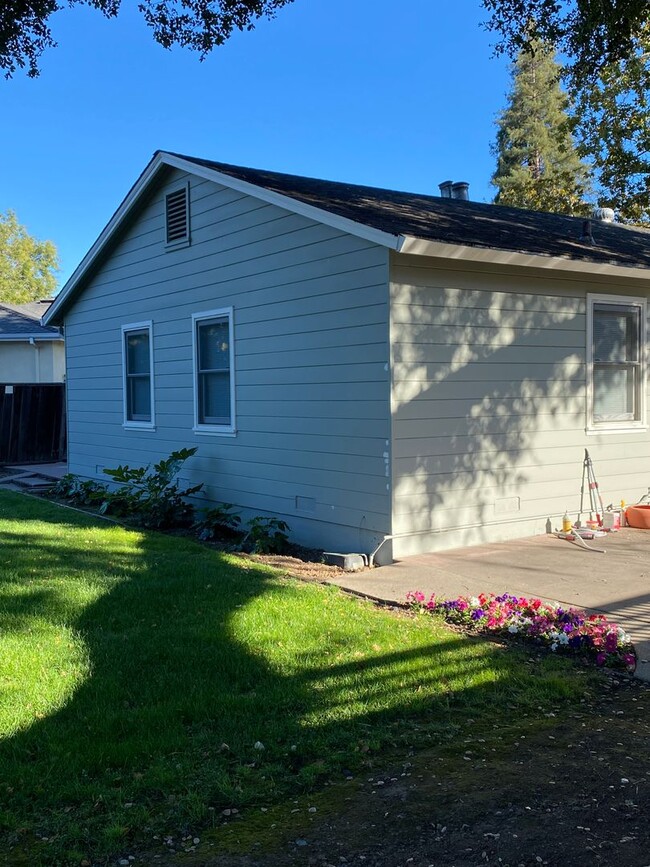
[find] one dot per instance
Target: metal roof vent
(460, 190)
(445, 189)
(605, 215)
(177, 216)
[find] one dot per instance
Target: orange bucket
(638, 516)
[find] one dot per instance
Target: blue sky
(368, 91)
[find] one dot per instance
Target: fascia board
(319, 215)
(18, 338)
(410, 245)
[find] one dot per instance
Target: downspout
(33, 343)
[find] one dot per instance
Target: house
(367, 364)
(29, 352)
(32, 390)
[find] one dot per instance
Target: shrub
(77, 491)
(151, 496)
(267, 535)
(217, 521)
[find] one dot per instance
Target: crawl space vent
(177, 216)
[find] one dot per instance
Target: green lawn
(138, 671)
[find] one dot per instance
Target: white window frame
(186, 240)
(197, 318)
(129, 423)
(626, 425)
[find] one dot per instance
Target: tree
(27, 266)
(197, 24)
(592, 34)
(538, 166)
(613, 126)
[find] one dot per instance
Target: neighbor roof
(452, 221)
(22, 321)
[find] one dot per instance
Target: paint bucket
(638, 517)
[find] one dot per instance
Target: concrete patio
(616, 583)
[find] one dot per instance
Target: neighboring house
(29, 352)
(363, 363)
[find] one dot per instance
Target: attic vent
(177, 216)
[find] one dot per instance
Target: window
(617, 362)
(177, 217)
(214, 386)
(137, 353)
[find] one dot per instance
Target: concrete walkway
(25, 477)
(616, 583)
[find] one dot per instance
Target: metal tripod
(595, 500)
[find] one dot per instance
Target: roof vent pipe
(605, 215)
(460, 190)
(445, 189)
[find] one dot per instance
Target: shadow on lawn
(170, 682)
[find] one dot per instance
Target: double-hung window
(214, 374)
(137, 357)
(616, 355)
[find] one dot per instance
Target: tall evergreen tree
(538, 166)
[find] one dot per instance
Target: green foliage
(220, 520)
(27, 266)
(613, 124)
(590, 34)
(200, 25)
(267, 535)
(77, 491)
(538, 166)
(152, 497)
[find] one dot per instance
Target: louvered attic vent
(177, 216)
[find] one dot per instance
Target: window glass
(138, 375)
(214, 374)
(617, 374)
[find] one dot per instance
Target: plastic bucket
(638, 516)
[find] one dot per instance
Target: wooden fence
(32, 423)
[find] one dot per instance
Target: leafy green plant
(221, 519)
(152, 496)
(78, 491)
(267, 535)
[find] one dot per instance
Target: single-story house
(29, 352)
(364, 363)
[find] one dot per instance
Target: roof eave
(413, 246)
(320, 215)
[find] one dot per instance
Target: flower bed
(560, 629)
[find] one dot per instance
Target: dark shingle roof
(452, 221)
(19, 319)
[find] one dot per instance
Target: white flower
(474, 602)
(564, 638)
(258, 745)
(513, 628)
(554, 645)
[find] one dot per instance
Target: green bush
(267, 535)
(77, 491)
(151, 496)
(221, 520)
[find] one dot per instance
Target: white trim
(410, 245)
(186, 240)
(197, 427)
(126, 423)
(624, 426)
(54, 338)
(165, 159)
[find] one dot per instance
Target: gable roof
(412, 223)
(22, 321)
(452, 221)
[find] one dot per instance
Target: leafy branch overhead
(197, 24)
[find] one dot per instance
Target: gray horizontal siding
(489, 404)
(311, 353)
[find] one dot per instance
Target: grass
(138, 672)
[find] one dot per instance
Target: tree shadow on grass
(186, 671)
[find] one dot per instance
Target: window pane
(616, 333)
(614, 393)
(214, 345)
(137, 352)
(214, 403)
(139, 398)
